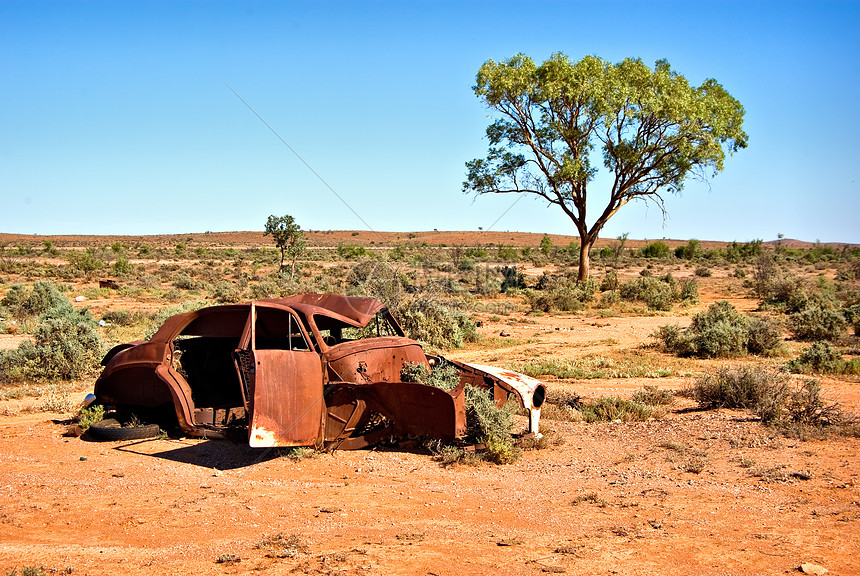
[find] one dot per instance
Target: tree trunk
(584, 262)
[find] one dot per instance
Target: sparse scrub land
(617, 436)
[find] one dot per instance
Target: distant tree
(652, 128)
(545, 245)
(288, 237)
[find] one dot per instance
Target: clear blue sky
(116, 117)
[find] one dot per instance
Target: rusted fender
(410, 408)
(531, 392)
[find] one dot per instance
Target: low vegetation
(822, 358)
(66, 344)
(795, 408)
(721, 332)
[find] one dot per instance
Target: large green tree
(288, 237)
(651, 127)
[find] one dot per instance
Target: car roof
(354, 310)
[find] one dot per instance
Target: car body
(321, 370)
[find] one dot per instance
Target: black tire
(110, 429)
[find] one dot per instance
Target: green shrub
(721, 331)
(85, 262)
(444, 377)
(90, 415)
(121, 317)
(655, 250)
(794, 409)
(485, 422)
(227, 292)
(819, 318)
(690, 251)
(352, 251)
(377, 280)
(822, 358)
(483, 419)
(186, 282)
(764, 335)
(609, 281)
(703, 272)
(25, 303)
(689, 292)
(66, 346)
(435, 323)
(562, 293)
(507, 253)
(512, 278)
(122, 266)
(656, 293)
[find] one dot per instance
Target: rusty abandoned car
(318, 370)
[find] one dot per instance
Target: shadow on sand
(219, 454)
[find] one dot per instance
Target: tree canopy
(288, 237)
(652, 128)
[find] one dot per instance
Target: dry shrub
(653, 396)
(609, 409)
(795, 409)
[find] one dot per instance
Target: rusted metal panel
(356, 310)
(407, 408)
(373, 360)
(531, 392)
(288, 399)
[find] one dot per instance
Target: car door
(281, 380)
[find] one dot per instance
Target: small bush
(609, 281)
(227, 292)
(435, 323)
(822, 358)
(796, 410)
(122, 317)
(512, 278)
(352, 251)
(560, 293)
(721, 331)
(186, 282)
(265, 289)
(485, 422)
(89, 416)
(657, 293)
(85, 262)
(653, 396)
(703, 272)
(24, 303)
(378, 280)
(655, 250)
(742, 387)
(66, 346)
(818, 319)
(764, 335)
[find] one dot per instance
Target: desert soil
(696, 492)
